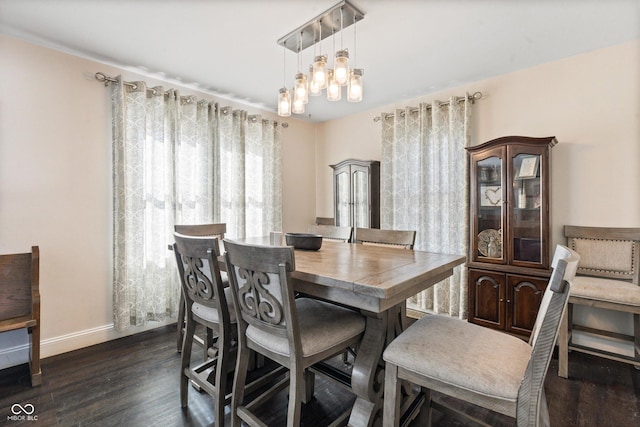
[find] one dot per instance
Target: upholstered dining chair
(332, 232)
(375, 236)
(295, 333)
(210, 230)
(482, 366)
(207, 303)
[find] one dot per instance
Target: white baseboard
(16, 351)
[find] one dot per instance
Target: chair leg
(391, 411)
(309, 381)
(563, 343)
(185, 361)
(239, 381)
(222, 369)
(426, 412)
(181, 322)
(296, 394)
(34, 359)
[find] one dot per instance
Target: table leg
(367, 379)
(367, 375)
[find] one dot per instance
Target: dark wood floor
(133, 381)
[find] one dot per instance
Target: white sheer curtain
(425, 188)
(180, 160)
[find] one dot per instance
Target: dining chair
(207, 303)
(320, 220)
(332, 232)
(211, 230)
(295, 333)
(481, 366)
(376, 236)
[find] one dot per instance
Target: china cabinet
(509, 231)
(356, 187)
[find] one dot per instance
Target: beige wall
(55, 187)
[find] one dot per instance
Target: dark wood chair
(375, 236)
(294, 332)
(332, 232)
(20, 302)
(210, 230)
(208, 304)
(479, 365)
(608, 278)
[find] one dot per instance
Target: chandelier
(320, 76)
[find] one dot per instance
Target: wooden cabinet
(356, 188)
(509, 231)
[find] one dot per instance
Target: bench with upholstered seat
(20, 301)
(607, 279)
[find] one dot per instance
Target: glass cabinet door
(490, 210)
(342, 208)
(526, 215)
(360, 197)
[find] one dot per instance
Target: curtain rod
(473, 98)
(101, 77)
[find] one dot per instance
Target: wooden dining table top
(369, 277)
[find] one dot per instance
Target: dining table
(376, 280)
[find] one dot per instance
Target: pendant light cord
(284, 67)
(355, 38)
(341, 28)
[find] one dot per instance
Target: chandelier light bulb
(301, 89)
(341, 67)
(320, 71)
(284, 103)
(354, 88)
(334, 91)
(314, 88)
(298, 104)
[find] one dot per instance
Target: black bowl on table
(306, 241)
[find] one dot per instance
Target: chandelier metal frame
(328, 23)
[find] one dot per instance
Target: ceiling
(407, 48)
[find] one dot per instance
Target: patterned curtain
(425, 188)
(182, 160)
